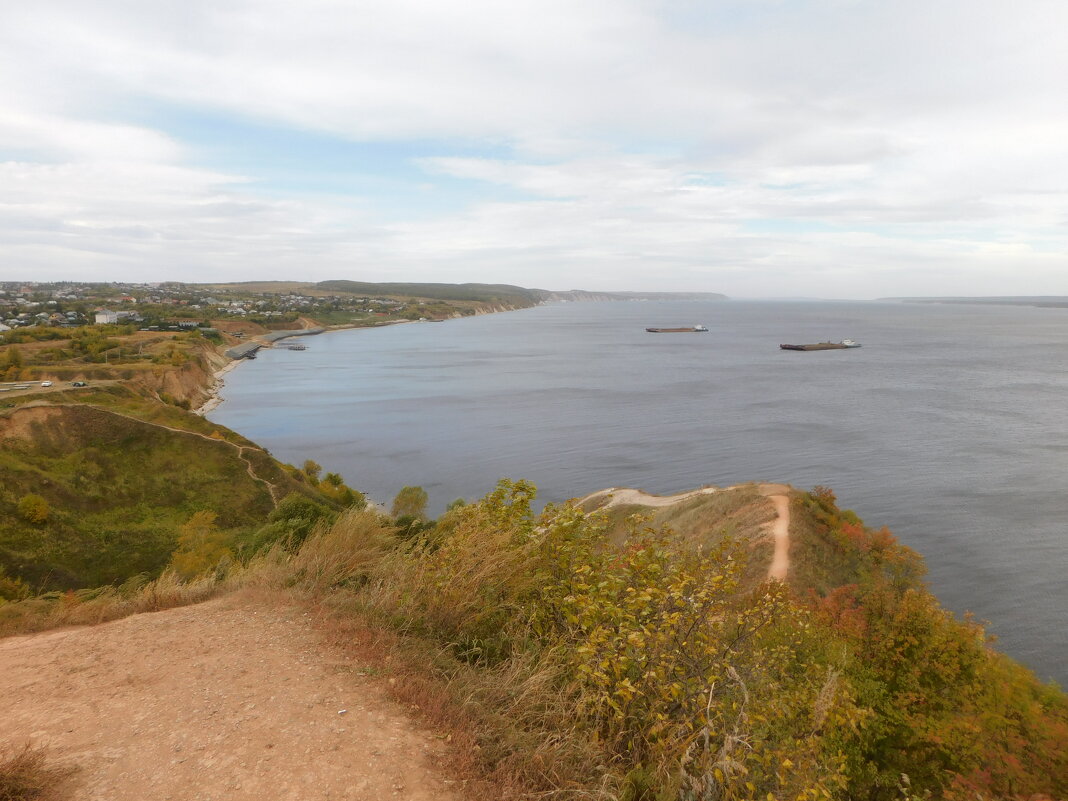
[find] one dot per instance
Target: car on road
(46, 383)
(78, 384)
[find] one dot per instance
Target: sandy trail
(780, 529)
(230, 699)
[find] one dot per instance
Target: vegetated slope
(91, 497)
(506, 294)
(653, 669)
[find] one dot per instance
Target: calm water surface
(947, 426)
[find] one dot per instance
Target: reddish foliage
(842, 610)
(855, 536)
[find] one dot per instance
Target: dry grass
(511, 728)
(339, 558)
(461, 629)
(511, 732)
(26, 775)
(702, 520)
(99, 605)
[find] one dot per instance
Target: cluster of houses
(109, 317)
(68, 304)
(11, 317)
(67, 319)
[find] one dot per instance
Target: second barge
(693, 329)
(845, 343)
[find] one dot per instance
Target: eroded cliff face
(191, 383)
(493, 308)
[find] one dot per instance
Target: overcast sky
(834, 148)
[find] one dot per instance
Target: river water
(947, 425)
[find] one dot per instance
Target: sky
(760, 148)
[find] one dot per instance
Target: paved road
(35, 387)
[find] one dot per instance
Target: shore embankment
(215, 388)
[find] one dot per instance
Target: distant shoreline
(1035, 301)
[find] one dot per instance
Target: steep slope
(107, 492)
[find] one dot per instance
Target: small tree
(410, 502)
(13, 358)
(291, 522)
(34, 509)
(311, 470)
(201, 546)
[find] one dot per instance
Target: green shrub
(34, 509)
(410, 502)
(291, 522)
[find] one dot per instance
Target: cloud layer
(760, 147)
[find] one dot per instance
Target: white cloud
(909, 143)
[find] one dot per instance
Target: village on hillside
(155, 306)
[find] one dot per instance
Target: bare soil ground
(779, 494)
(232, 699)
(780, 531)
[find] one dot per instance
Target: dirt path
(780, 529)
(231, 699)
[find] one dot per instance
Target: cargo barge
(845, 343)
(692, 329)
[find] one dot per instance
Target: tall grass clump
(101, 604)
(26, 775)
(339, 556)
(641, 672)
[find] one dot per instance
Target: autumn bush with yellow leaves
(689, 687)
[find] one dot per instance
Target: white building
(106, 317)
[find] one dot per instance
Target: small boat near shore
(844, 344)
(693, 329)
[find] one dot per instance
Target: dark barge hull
(677, 330)
(817, 346)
